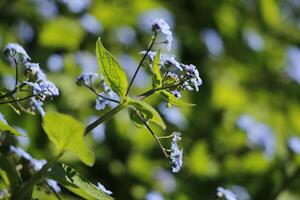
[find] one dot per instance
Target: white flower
(227, 194)
(193, 74)
(294, 144)
(103, 189)
(176, 153)
(159, 25)
(17, 52)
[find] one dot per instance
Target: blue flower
(86, 78)
(294, 144)
(17, 52)
(160, 26)
(258, 134)
(154, 195)
(37, 105)
(55, 62)
(91, 24)
(176, 153)
(100, 103)
(227, 194)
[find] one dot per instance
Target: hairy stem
(105, 117)
(141, 62)
(17, 100)
(152, 133)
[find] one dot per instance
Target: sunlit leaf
(157, 81)
(67, 134)
(73, 181)
(147, 112)
(111, 70)
(6, 128)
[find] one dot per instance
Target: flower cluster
(258, 134)
(177, 76)
(41, 88)
(176, 153)
(103, 98)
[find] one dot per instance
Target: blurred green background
(247, 53)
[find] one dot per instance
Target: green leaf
(157, 80)
(171, 99)
(134, 118)
(67, 134)
(73, 181)
(111, 70)
(147, 112)
(5, 127)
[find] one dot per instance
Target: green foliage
(67, 134)
(111, 70)
(147, 112)
(73, 181)
(61, 33)
(156, 78)
(6, 128)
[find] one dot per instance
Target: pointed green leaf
(171, 99)
(147, 111)
(156, 79)
(111, 70)
(73, 181)
(67, 134)
(5, 127)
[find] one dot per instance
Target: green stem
(17, 100)
(141, 62)
(105, 117)
(35, 179)
(152, 91)
(152, 133)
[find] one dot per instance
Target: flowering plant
(169, 79)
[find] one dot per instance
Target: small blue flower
(258, 134)
(227, 194)
(103, 189)
(37, 105)
(55, 62)
(176, 153)
(294, 144)
(154, 195)
(91, 24)
(100, 103)
(160, 26)
(86, 78)
(17, 52)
